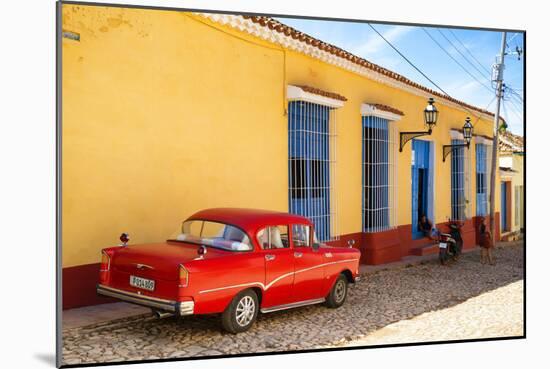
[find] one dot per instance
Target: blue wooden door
(421, 184)
(503, 207)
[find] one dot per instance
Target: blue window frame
(422, 174)
(376, 174)
(458, 183)
(481, 180)
(309, 164)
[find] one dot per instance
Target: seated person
(270, 238)
(425, 226)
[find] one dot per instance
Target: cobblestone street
(424, 302)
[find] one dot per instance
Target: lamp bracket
(405, 137)
(448, 148)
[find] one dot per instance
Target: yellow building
(166, 113)
(511, 158)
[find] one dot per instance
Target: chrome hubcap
(245, 311)
(340, 291)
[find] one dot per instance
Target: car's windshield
(214, 234)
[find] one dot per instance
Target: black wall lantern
(430, 119)
(467, 131)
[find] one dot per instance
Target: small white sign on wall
(412, 157)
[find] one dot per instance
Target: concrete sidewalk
(80, 317)
(88, 315)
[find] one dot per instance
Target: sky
(469, 80)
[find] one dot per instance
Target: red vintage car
(236, 262)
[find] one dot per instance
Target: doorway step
(428, 248)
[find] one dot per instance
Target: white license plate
(442, 245)
(146, 284)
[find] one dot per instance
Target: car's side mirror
(316, 246)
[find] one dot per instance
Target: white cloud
(375, 43)
(466, 88)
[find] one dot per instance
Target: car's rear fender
(214, 283)
(329, 282)
(217, 301)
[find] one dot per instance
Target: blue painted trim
(421, 170)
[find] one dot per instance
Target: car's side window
(301, 235)
(273, 237)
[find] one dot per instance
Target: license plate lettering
(143, 283)
(442, 245)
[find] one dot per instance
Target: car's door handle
(269, 257)
(298, 254)
(328, 254)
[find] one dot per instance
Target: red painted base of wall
(79, 286)
(392, 245)
(79, 283)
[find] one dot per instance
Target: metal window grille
(379, 174)
(460, 182)
(483, 163)
(312, 158)
(518, 221)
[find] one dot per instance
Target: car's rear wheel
(241, 313)
(338, 293)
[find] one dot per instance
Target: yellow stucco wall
(165, 113)
(516, 179)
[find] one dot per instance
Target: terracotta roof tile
(509, 142)
(316, 91)
(335, 50)
(388, 109)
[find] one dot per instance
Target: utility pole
(499, 73)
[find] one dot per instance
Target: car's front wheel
(241, 313)
(338, 293)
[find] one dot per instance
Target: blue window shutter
(481, 180)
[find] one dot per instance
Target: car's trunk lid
(156, 260)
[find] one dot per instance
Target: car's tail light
(105, 262)
(183, 276)
(105, 267)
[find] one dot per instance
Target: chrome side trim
(265, 287)
(235, 286)
(143, 266)
(292, 305)
(137, 299)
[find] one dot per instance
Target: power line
(468, 50)
(486, 109)
(513, 111)
(516, 108)
(516, 94)
(428, 78)
(518, 112)
(517, 100)
(456, 61)
(510, 40)
(511, 95)
(463, 56)
(407, 60)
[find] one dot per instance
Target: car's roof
(249, 219)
